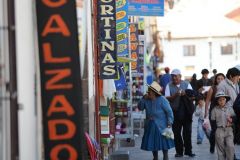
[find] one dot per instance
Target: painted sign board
(107, 39)
(122, 28)
(134, 45)
(146, 7)
(62, 111)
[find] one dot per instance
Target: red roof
(235, 14)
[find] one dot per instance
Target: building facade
(21, 130)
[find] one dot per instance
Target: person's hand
(205, 115)
(183, 93)
(229, 120)
(180, 92)
(146, 96)
(177, 94)
(200, 90)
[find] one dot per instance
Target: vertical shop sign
(60, 79)
(122, 27)
(134, 45)
(107, 39)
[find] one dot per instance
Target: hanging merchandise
(121, 82)
(137, 68)
(149, 77)
(93, 147)
(108, 88)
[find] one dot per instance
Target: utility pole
(13, 80)
(210, 53)
(96, 71)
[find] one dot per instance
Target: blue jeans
(200, 131)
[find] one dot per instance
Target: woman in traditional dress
(159, 116)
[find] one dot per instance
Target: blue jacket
(159, 110)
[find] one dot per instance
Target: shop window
(190, 68)
(227, 49)
(189, 50)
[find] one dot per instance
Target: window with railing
(189, 50)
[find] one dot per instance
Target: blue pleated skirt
(153, 140)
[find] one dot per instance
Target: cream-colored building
(198, 34)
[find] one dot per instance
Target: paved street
(201, 151)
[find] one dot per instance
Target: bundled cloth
(168, 133)
(206, 127)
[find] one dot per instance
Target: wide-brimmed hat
(155, 87)
(221, 94)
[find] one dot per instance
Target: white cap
(238, 67)
(176, 72)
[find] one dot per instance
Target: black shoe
(212, 150)
(190, 154)
(178, 155)
(199, 142)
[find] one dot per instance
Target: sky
(200, 17)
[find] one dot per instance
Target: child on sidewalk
(223, 115)
(200, 110)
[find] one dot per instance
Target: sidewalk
(201, 150)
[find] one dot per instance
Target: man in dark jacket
(182, 110)
(236, 107)
(204, 81)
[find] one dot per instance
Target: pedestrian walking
(200, 111)
(204, 82)
(230, 87)
(223, 115)
(165, 79)
(193, 82)
(183, 109)
(209, 105)
(236, 108)
(159, 116)
(214, 71)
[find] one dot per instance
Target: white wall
(25, 74)
(5, 124)
(174, 55)
(91, 75)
